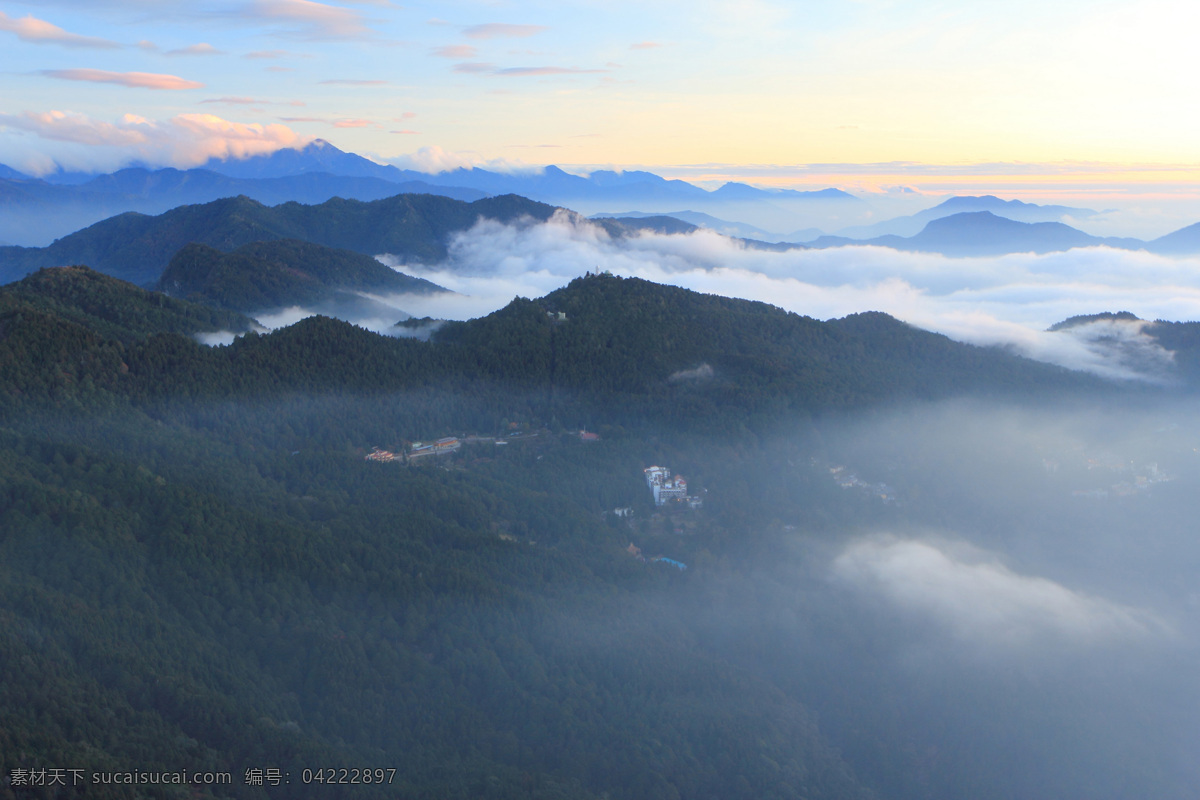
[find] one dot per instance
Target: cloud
(35, 31)
(455, 51)
(406, 132)
(65, 126)
(484, 68)
(523, 71)
(1118, 349)
(1006, 301)
(474, 67)
(978, 600)
(311, 20)
(497, 30)
(259, 54)
(137, 80)
(201, 49)
(250, 101)
(644, 46)
(434, 159)
(217, 338)
(186, 140)
(352, 82)
(695, 375)
(355, 123)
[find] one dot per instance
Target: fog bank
(1008, 300)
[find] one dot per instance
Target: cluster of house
(447, 444)
(667, 488)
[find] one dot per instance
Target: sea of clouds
(1006, 300)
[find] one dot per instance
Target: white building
(664, 486)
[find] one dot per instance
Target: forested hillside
(282, 272)
(201, 570)
(137, 248)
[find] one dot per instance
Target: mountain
(758, 356)
(1128, 338)
(982, 233)
(588, 339)
(660, 223)
(107, 307)
(10, 174)
(1085, 319)
(1184, 241)
(1009, 209)
(550, 184)
(37, 211)
(588, 194)
(201, 569)
(978, 233)
(281, 272)
(137, 248)
(318, 156)
(170, 187)
(737, 230)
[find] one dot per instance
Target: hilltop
(136, 247)
(621, 349)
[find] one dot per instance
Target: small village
(668, 490)
(448, 445)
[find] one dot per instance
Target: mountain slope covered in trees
(137, 248)
(200, 570)
(282, 272)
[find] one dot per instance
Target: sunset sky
(1020, 97)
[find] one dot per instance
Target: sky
(1062, 101)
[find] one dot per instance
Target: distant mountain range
(1015, 210)
(342, 200)
(37, 211)
(982, 233)
(960, 234)
(417, 227)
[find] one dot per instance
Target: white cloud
(1008, 300)
(201, 49)
(979, 600)
(37, 31)
(434, 159)
(186, 140)
(134, 80)
(455, 51)
(500, 30)
(311, 20)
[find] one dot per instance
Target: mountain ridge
(137, 247)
